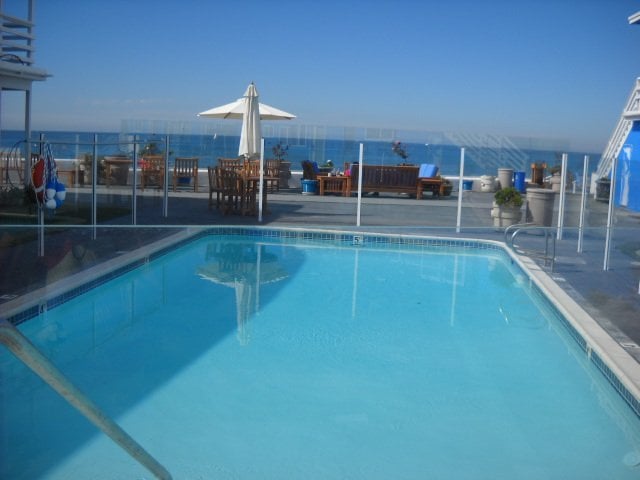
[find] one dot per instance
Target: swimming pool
(284, 354)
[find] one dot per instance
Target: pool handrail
(26, 352)
(549, 234)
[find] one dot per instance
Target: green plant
(280, 151)
(508, 197)
(308, 172)
(399, 149)
(151, 148)
(327, 164)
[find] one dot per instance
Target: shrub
(508, 197)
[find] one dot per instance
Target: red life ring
(37, 178)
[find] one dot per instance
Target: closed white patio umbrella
(251, 133)
(251, 111)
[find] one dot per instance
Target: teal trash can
(519, 182)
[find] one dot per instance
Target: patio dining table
(239, 190)
(249, 186)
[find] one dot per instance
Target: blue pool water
(244, 358)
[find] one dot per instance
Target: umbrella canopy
(235, 110)
(251, 112)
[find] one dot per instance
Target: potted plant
(398, 149)
(507, 207)
(308, 183)
(151, 148)
(280, 153)
(326, 167)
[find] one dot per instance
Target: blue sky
(528, 68)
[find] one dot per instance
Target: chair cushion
(427, 170)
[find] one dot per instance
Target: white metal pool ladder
(548, 255)
(22, 348)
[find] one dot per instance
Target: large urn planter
(505, 216)
(540, 204)
(555, 182)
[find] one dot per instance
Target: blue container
(467, 184)
(519, 182)
(309, 187)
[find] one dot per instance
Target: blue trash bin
(519, 182)
(467, 184)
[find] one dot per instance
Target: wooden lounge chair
(186, 168)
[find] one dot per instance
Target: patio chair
(429, 180)
(185, 171)
(231, 163)
(152, 171)
(230, 182)
(272, 175)
(215, 186)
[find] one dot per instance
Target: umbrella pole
(358, 209)
(261, 189)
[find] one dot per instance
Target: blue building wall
(628, 171)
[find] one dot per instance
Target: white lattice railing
(630, 113)
(16, 39)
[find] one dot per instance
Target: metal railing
(24, 350)
(548, 255)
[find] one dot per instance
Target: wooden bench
(393, 179)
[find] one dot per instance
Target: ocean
(483, 156)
